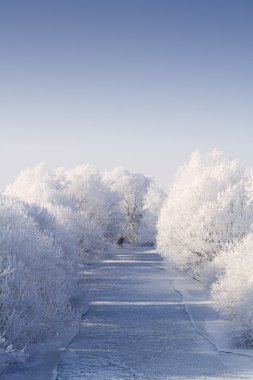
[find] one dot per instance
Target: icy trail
(147, 323)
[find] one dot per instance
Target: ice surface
(148, 323)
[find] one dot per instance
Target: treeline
(205, 228)
(53, 221)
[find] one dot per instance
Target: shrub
(233, 291)
(35, 288)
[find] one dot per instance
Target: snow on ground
(145, 322)
(43, 357)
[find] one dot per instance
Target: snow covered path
(138, 328)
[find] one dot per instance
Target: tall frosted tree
(132, 188)
(207, 209)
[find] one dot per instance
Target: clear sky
(133, 83)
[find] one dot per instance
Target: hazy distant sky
(133, 83)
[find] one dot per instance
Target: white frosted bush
(39, 185)
(233, 292)
(35, 290)
(152, 204)
(104, 209)
(96, 201)
(132, 189)
(80, 233)
(64, 220)
(53, 224)
(206, 209)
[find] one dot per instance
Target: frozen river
(139, 328)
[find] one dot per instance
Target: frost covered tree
(152, 204)
(36, 282)
(92, 209)
(207, 208)
(233, 292)
(96, 201)
(232, 287)
(39, 185)
(43, 189)
(132, 189)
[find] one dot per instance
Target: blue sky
(134, 83)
